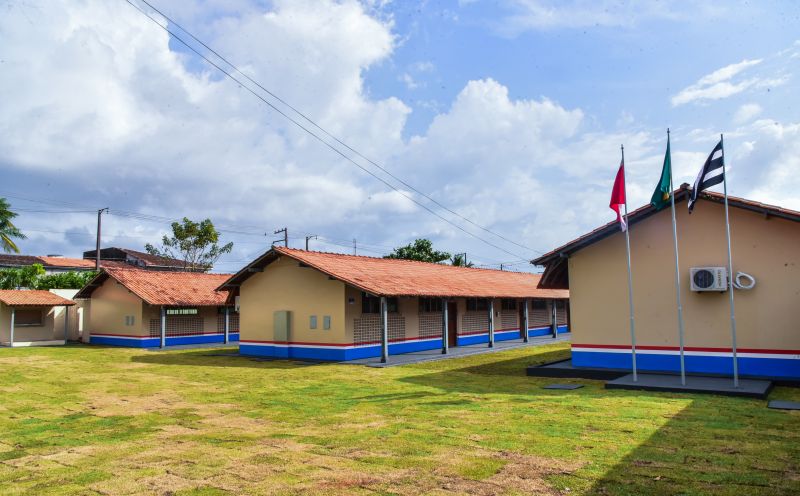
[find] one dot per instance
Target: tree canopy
(34, 277)
(195, 243)
(420, 250)
(8, 231)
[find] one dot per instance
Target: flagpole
(677, 268)
(630, 277)
(730, 268)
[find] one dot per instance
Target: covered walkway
(457, 351)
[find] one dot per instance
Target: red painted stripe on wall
(686, 348)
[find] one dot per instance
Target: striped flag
(711, 174)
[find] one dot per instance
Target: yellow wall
(768, 316)
(109, 305)
(303, 291)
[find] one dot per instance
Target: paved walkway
(457, 352)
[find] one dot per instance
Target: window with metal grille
(430, 324)
(367, 328)
(234, 322)
(540, 316)
(561, 312)
(178, 325)
(508, 319)
(474, 322)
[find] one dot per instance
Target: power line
(313, 123)
(306, 129)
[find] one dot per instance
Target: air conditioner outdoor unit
(708, 278)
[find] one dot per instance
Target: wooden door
(452, 323)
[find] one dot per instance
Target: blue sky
(508, 112)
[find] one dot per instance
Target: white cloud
(543, 15)
(747, 112)
(718, 84)
(99, 110)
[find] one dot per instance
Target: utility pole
(501, 266)
(313, 236)
(285, 232)
(97, 250)
(463, 258)
(355, 247)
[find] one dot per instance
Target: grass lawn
(89, 420)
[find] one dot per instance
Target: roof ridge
(401, 260)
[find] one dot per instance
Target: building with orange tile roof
(31, 317)
(146, 308)
(329, 306)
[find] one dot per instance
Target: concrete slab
(748, 388)
(567, 387)
(564, 369)
(784, 405)
(456, 352)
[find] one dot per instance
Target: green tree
(7, 228)
(421, 250)
(65, 280)
(23, 277)
(460, 261)
(196, 243)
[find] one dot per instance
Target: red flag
(618, 196)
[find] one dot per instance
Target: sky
(508, 113)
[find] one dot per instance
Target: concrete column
(66, 323)
(445, 340)
(524, 323)
(227, 324)
(491, 322)
(163, 342)
(384, 330)
(13, 316)
(554, 318)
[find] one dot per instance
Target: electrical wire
(324, 131)
(309, 131)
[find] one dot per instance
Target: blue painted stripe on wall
(155, 342)
(372, 351)
(759, 367)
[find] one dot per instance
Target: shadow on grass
(499, 376)
(217, 358)
(715, 445)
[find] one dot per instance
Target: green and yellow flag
(660, 197)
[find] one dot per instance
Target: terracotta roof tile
(32, 297)
(392, 277)
(66, 262)
(60, 262)
(166, 287)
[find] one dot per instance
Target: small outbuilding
(765, 243)
(329, 306)
(31, 318)
(146, 308)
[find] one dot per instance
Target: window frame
(368, 302)
(477, 304)
(431, 305)
(39, 323)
